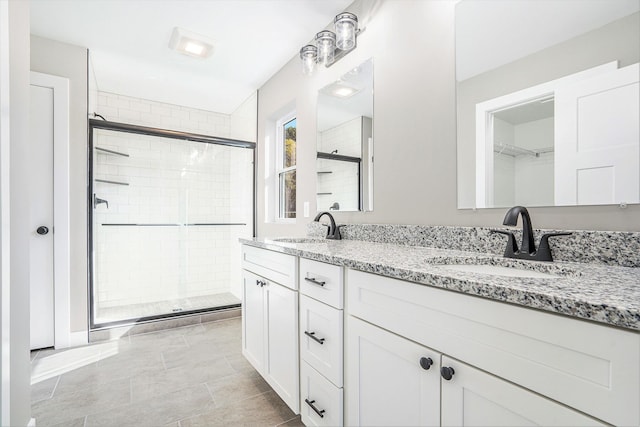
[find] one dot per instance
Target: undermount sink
(298, 240)
(498, 270)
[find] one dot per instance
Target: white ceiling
(128, 41)
(491, 33)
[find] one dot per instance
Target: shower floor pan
(169, 307)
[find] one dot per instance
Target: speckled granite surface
(600, 247)
(600, 293)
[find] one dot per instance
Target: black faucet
(528, 246)
(333, 231)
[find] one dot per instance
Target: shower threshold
(132, 313)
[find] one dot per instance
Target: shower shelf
(112, 152)
(106, 181)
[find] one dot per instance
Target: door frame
(61, 221)
(484, 124)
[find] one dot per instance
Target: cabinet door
(253, 328)
(281, 364)
(385, 383)
(474, 398)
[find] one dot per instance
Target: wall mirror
(344, 162)
(547, 102)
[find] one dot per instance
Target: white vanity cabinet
(511, 365)
(270, 320)
(321, 343)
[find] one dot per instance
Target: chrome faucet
(333, 231)
(528, 246)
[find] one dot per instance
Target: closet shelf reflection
(513, 151)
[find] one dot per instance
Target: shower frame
(95, 124)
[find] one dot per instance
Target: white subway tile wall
(168, 182)
(340, 178)
(126, 109)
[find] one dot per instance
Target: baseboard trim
(78, 338)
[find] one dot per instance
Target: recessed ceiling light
(344, 91)
(190, 43)
(341, 89)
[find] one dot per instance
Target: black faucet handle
(544, 250)
(512, 246)
(560, 233)
(336, 233)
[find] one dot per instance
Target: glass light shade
(326, 43)
(346, 25)
(309, 57)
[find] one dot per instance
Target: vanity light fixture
(190, 43)
(331, 46)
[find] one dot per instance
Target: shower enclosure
(166, 211)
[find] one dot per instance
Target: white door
(474, 398)
(597, 140)
(281, 362)
(253, 319)
(41, 206)
(390, 381)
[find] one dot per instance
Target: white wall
(15, 370)
(414, 130)
(534, 175)
(243, 124)
(503, 165)
(65, 60)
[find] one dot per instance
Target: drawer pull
(426, 362)
(320, 412)
(312, 335)
(261, 283)
(314, 281)
(447, 372)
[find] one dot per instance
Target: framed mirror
(547, 102)
(344, 162)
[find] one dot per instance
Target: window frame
(280, 170)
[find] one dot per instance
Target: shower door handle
(97, 200)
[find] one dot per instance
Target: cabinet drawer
(272, 265)
(321, 338)
(322, 281)
(590, 367)
(317, 392)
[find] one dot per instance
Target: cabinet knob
(42, 230)
(261, 283)
(447, 372)
(426, 363)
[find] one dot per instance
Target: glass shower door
(166, 217)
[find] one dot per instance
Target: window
(286, 167)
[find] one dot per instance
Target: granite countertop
(599, 293)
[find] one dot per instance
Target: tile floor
(183, 377)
